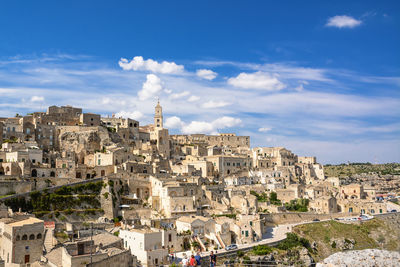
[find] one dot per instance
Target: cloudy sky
(319, 78)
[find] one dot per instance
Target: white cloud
(37, 98)
(193, 98)
(206, 74)
(138, 63)
(180, 95)
(135, 115)
(257, 80)
(215, 104)
(173, 123)
(198, 127)
(343, 22)
(203, 127)
(327, 110)
(151, 87)
(224, 122)
(299, 88)
(284, 70)
(264, 129)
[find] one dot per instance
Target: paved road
(278, 234)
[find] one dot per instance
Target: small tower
(158, 117)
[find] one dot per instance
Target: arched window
(24, 237)
(18, 238)
(32, 237)
(52, 174)
(34, 173)
(103, 172)
(39, 236)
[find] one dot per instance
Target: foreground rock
(363, 258)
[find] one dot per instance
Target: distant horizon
(318, 78)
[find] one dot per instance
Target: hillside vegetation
(344, 170)
(331, 236)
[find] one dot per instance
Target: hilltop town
(79, 189)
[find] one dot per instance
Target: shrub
(292, 240)
(262, 250)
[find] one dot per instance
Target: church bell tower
(158, 117)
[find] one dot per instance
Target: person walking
(213, 259)
(198, 259)
(192, 261)
(185, 261)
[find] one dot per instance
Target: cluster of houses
(162, 193)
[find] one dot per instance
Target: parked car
(393, 211)
(231, 247)
(315, 220)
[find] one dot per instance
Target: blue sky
(320, 78)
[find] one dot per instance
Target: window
(24, 237)
(350, 209)
(39, 236)
(18, 238)
(32, 237)
(169, 237)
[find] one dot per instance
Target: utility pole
(91, 244)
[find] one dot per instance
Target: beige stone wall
(17, 242)
(90, 119)
(286, 195)
(324, 205)
(362, 206)
(124, 259)
(352, 191)
(214, 140)
(7, 187)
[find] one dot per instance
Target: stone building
(21, 242)
(361, 206)
(221, 140)
(146, 245)
(272, 156)
(226, 165)
(89, 119)
(175, 198)
(325, 205)
(352, 191)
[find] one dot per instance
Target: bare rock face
(363, 258)
(88, 141)
(305, 257)
(343, 243)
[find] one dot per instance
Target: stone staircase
(49, 240)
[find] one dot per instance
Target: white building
(146, 245)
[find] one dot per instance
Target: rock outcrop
(362, 258)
